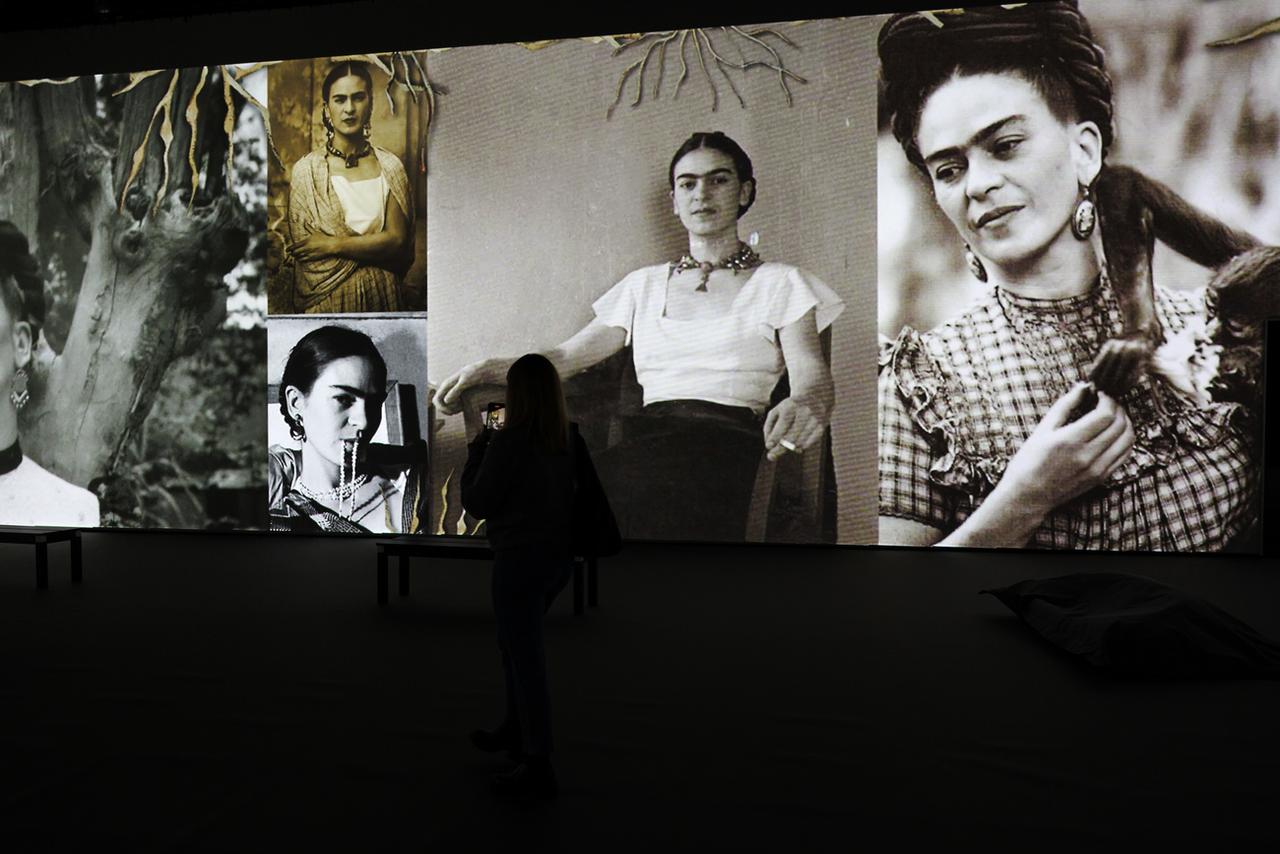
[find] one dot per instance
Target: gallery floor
(202, 693)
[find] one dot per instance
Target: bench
(585, 575)
(40, 538)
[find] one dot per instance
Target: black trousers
(525, 583)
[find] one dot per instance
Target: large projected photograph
(1073, 204)
(132, 301)
(693, 251)
(349, 184)
(346, 451)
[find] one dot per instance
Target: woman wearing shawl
(350, 209)
(1007, 113)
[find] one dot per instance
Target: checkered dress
(957, 402)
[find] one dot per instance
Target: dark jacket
(524, 494)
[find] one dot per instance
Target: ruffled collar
(1069, 311)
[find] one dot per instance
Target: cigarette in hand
(788, 444)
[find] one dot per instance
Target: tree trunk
(152, 287)
(19, 159)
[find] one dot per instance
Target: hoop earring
(975, 264)
(20, 394)
(1085, 217)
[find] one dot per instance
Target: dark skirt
(684, 470)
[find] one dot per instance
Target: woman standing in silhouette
(520, 480)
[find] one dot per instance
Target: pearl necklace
(342, 492)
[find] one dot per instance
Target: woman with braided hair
(29, 495)
(350, 208)
(991, 432)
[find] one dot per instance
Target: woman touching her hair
(989, 434)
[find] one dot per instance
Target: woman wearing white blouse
(350, 209)
(711, 335)
(29, 494)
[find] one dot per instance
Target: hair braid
(1050, 44)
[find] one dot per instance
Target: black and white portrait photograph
(682, 222)
(1077, 212)
(346, 403)
(348, 190)
(132, 299)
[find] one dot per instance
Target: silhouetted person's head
(536, 400)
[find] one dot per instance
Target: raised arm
(589, 346)
(592, 344)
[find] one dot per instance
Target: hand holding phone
(495, 416)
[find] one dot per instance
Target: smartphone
(495, 416)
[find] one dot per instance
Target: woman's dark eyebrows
(977, 139)
(721, 169)
(358, 392)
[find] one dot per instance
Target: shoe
(497, 740)
(532, 779)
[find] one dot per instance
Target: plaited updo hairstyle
(313, 353)
(1050, 45)
(21, 285)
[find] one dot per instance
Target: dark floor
(204, 693)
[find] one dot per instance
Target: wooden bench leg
(404, 575)
(42, 565)
(382, 576)
(577, 588)
(593, 582)
(77, 571)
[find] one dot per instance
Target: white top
(734, 360)
(363, 202)
(30, 495)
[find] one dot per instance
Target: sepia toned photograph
(347, 194)
(692, 251)
(345, 407)
(1076, 211)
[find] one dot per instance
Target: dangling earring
(302, 434)
(19, 395)
(1085, 216)
(975, 264)
(367, 129)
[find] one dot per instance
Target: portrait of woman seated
(29, 494)
(351, 210)
(989, 434)
(711, 334)
(331, 397)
